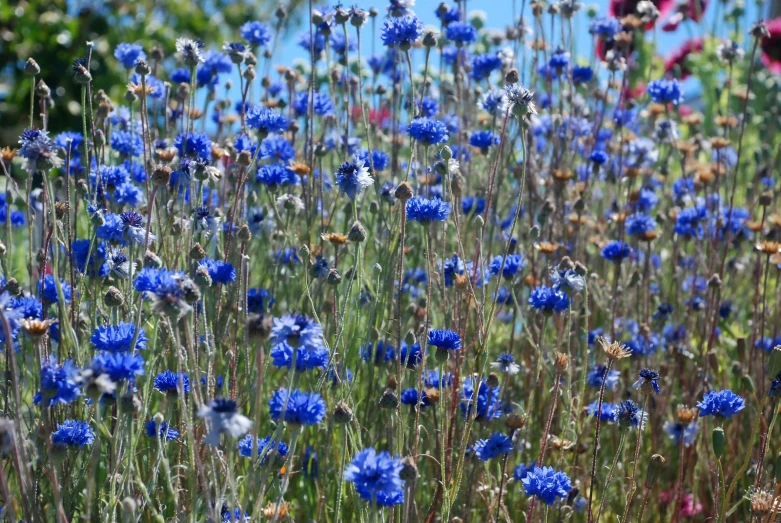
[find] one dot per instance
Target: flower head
(546, 484)
(444, 339)
(721, 403)
(73, 433)
(497, 445)
(353, 176)
(649, 380)
(401, 32)
(426, 211)
(505, 364)
(117, 338)
(223, 418)
(665, 91)
(300, 408)
(428, 131)
(376, 476)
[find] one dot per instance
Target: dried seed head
(403, 192)
(561, 362)
(615, 350)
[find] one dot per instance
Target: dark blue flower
(616, 251)
(376, 477)
(488, 405)
(444, 339)
(163, 431)
(276, 174)
(255, 33)
(607, 413)
(410, 397)
(127, 143)
(411, 355)
(298, 331)
(259, 301)
(378, 161)
(599, 157)
(275, 147)
(265, 448)
(688, 432)
(180, 76)
(428, 131)
(266, 121)
(461, 33)
(167, 382)
(582, 74)
(378, 352)
(303, 408)
(605, 28)
(73, 433)
(80, 249)
(640, 224)
(721, 403)
(306, 358)
(521, 470)
(425, 211)
(219, 271)
(483, 140)
(49, 290)
(129, 54)
(59, 383)
(597, 374)
(117, 338)
(559, 60)
(665, 91)
(402, 31)
(498, 444)
(193, 144)
(629, 414)
(353, 176)
(119, 366)
(484, 64)
(547, 484)
(548, 300)
(513, 263)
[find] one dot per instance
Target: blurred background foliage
(54, 32)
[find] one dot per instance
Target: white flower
(521, 100)
(222, 418)
(190, 50)
(290, 202)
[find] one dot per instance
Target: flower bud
(718, 441)
(342, 413)
(389, 400)
(31, 67)
(655, 467)
(357, 233)
(113, 297)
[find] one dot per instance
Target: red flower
(679, 56)
(689, 11)
(621, 8)
(771, 46)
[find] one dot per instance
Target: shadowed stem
(596, 440)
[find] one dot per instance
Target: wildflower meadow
(523, 269)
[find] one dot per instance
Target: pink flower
(620, 8)
(679, 56)
(771, 46)
(689, 11)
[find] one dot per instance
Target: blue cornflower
(461, 33)
(256, 33)
(276, 174)
(133, 228)
(608, 412)
(410, 397)
(444, 339)
(505, 364)
(513, 263)
(605, 28)
(49, 290)
(193, 144)
(494, 101)
(223, 417)
(688, 222)
(616, 251)
(488, 404)
(484, 64)
(219, 271)
(378, 161)
(129, 54)
(472, 204)
(547, 484)
(297, 331)
(402, 31)
(451, 268)
(339, 45)
(521, 470)
(259, 301)
(665, 91)
(582, 74)
(629, 414)
(376, 477)
(167, 382)
(426, 211)
(117, 338)
(548, 300)
(567, 280)
(266, 121)
(483, 140)
(353, 176)
(428, 131)
(306, 358)
(214, 64)
(303, 408)
(119, 366)
(25, 307)
(497, 445)
(127, 143)
(599, 157)
(378, 352)
(276, 147)
(428, 107)
(73, 433)
(649, 379)
(164, 431)
(597, 374)
(265, 447)
(688, 432)
(641, 225)
(180, 76)
(721, 403)
(411, 355)
(559, 60)
(448, 14)
(59, 383)
(322, 104)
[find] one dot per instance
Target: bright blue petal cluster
(425, 211)
(376, 477)
(117, 338)
(721, 403)
(129, 54)
(303, 408)
(497, 445)
(665, 91)
(59, 383)
(428, 131)
(444, 339)
(461, 33)
(168, 382)
(402, 31)
(548, 300)
(73, 433)
(266, 121)
(547, 484)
